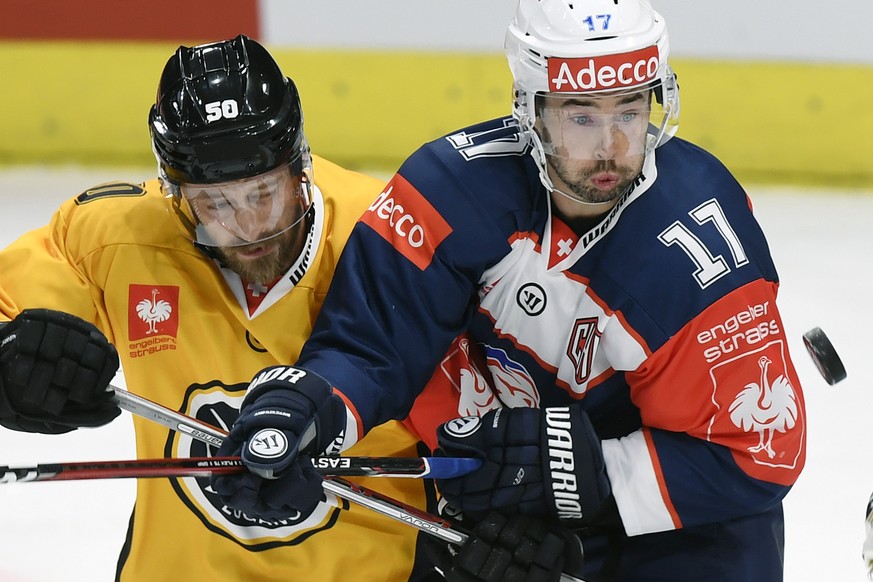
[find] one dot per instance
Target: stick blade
(824, 356)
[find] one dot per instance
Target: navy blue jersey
(660, 321)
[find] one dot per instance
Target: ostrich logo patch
(753, 393)
(153, 318)
(765, 407)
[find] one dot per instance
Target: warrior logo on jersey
(531, 298)
(153, 318)
(253, 343)
(765, 407)
(218, 404)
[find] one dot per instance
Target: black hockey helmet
(225, 111)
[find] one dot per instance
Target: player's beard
(576, 178)
(271, 266)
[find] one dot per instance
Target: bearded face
(594, 145)
(255, 225)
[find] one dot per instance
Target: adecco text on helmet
(604, 72)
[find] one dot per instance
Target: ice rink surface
(822, 242)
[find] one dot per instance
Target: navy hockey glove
(287, 415)
(54, 372)
(545, 463)
(513, 548)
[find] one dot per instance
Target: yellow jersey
(190, 337)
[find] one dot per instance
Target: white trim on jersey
(635, 485)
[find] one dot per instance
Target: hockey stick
(193, 467)
(431, 467)
(208, 434)
(381, 504)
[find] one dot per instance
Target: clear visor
(249, 210)
(601, 126)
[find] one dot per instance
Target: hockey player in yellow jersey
(199, 278)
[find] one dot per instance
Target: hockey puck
(824, 356)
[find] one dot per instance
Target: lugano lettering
(562, 463)
(386, 208)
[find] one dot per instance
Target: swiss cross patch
(764, 405)
(563, 241)
(153, 318)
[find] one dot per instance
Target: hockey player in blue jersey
(578, 298)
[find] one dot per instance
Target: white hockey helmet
(590, 47)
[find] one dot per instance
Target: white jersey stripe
(635, 485)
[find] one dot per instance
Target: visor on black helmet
(248, 210)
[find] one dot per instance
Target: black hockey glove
(54, 372)
(287, 415)
(538, 462)
(513, 548)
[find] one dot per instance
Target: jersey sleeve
(64, 264)
(406, 283)
(41, 270)
(723, 417)
(721, 406)
(394, 306)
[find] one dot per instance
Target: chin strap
(607, 205)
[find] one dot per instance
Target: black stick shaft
(140, 468)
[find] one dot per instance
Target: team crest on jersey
(582, 347)
(218, 405)
(153, 319)
(765, 407)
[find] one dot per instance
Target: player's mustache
(605, 166)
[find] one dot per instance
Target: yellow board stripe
(769, 122)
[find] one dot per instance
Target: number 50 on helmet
(227, 131)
